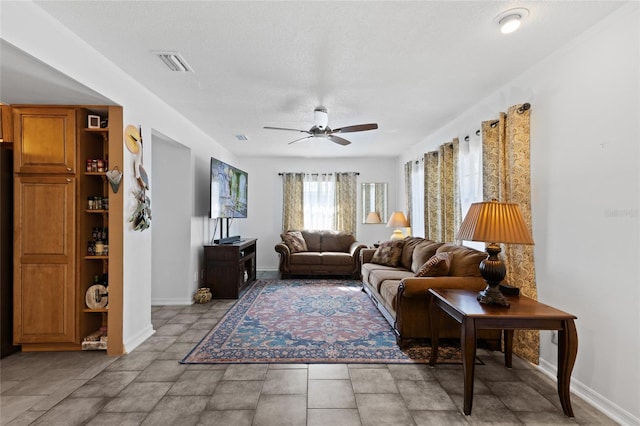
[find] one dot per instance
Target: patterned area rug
(307, 321)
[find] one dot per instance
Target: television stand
(230, 267)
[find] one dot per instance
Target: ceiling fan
(321, 130)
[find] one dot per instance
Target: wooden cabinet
(229, 268)
(44, 259)
(6, 124)
(53, 225)
(45, 140)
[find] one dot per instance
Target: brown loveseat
(403, 298)
(319, 253)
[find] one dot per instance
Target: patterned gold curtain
(408, 194)
(507, 177)
(442, 213)
(292, 201)
(346, 202)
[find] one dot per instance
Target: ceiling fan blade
(338, 140)
(356, 128)
(284, 128)
(301, 139)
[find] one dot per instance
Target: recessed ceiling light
(510, 20)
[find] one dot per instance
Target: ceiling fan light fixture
(510, 20)
(320, 117)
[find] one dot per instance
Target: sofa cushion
(336, 258)
(388, 253)
(465, 262)
(336, 241)
(306, 258)
(410, 243)
(381, 276)
(294, 240)
(313, 240)
(389, 294)
(423, 252)
(437, 266)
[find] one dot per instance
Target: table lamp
(397, 220)
(494, 222)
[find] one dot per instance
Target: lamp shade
(373, 217)
(495, 222)
(398, 220)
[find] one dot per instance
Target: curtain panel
(346, 204)
(507, 178)
(442, 193)
(292, 201)
(408, 190)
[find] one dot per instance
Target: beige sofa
(403, 299)
(319, 253)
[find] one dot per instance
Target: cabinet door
(45, 140)
(44, 260)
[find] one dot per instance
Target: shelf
(97, 130)
(98, 310)
(96, 211)
(96, 257)
(95, 174)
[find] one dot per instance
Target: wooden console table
(228, 268)
(524, 313)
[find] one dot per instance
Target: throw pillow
(388, 253)
(295, 241)
(437, 266)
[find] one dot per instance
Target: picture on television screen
(228, 190)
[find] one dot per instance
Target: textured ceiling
(408, 66)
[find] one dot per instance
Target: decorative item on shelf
(93, 121)
(373, 217)
(96, 297)
(203, 295)
(397, 220)
(494, 222)
(114, 177)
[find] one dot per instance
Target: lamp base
(493, 271)
(397, 235)
(492, 296)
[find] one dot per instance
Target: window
(319, 201)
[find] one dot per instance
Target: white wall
(586, 185)
(264, 219)
(171, 283)
(33, 31)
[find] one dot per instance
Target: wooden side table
(524, 313)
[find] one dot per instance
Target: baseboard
(137, 340)
(593, 398)
(171, 302)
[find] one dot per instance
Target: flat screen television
(228, 188)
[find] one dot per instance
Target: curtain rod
(317, 174)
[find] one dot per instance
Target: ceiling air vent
(242, 137)
(174, 61)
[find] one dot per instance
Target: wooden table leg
(434, 318)
(508, 347)
(567, 351)
(468, 343)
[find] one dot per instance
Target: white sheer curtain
(319, 201)
(417, 198)
(470, 177)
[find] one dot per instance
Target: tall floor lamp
(494, 222)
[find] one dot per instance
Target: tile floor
(149, 387)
